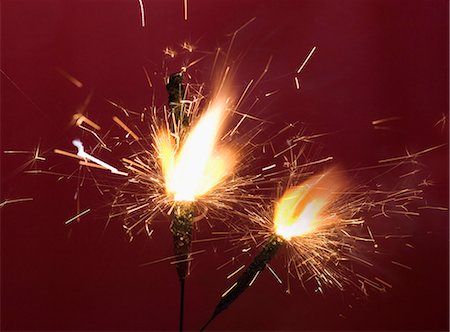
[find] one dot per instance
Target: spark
(67, 154)
(411, 156)
(306, 60)
(187, 46)
(125, 127)
(441, 208)
(16, 200)
(185, 2)
(80, 119)
(141, 8)
(268, 94)
(149, 81)
(81, 153)
(401, 265)
(268, 167)
(235, 272)
(442, 122)
(380, 121)
(297, 83)
(17, 152)
(229, 289)
(70, 78)
(315, 162)
(171, 257)
(77, 216)
(123, 109)
(168, 51)
(254, 278)
(274, 274)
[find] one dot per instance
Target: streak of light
(274, 274)
(402, 265)
(85, 155)
(383, 282)
(433, 208)
(141, 8)
(78, 216)
(306, 60)
(171, 257)
(235, 272)
(88, 164)
(238, 124)
(317, 161)
(229, 290)
(411, 156)
(67, 154)
(271, 93)
(268, 167)
(16, 200)
(80, 119)
(17, 152)
(285, 150)
(192, 63)
(70, 78)
(380, 121)
(234, 36)
(125, 127)
(123, 109)
(148, 77)
(442, 121)
(297, 83)
(254, 278)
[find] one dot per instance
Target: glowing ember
(198, 166)
(301, 210)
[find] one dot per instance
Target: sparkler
(183, 213)
(189, 168)
(299, 212)
(320, 222)
(178, 174)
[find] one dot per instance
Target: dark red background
(374, 59)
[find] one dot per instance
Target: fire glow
(198, 165)
(302, 209)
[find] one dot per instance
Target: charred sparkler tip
(176, 90)
(249, 276)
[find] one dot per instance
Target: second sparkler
(301, 211)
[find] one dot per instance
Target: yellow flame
(300, 209)
(198, 166)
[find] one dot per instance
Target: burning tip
(302, 209)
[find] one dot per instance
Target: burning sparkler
(192, 171)
(320, 222)
(301, 211)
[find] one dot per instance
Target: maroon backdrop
(374, 59)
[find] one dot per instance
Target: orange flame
(301, 209)
(199, 165)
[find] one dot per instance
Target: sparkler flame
(199, 165)
(301, 209)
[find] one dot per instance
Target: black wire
(181, 303)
